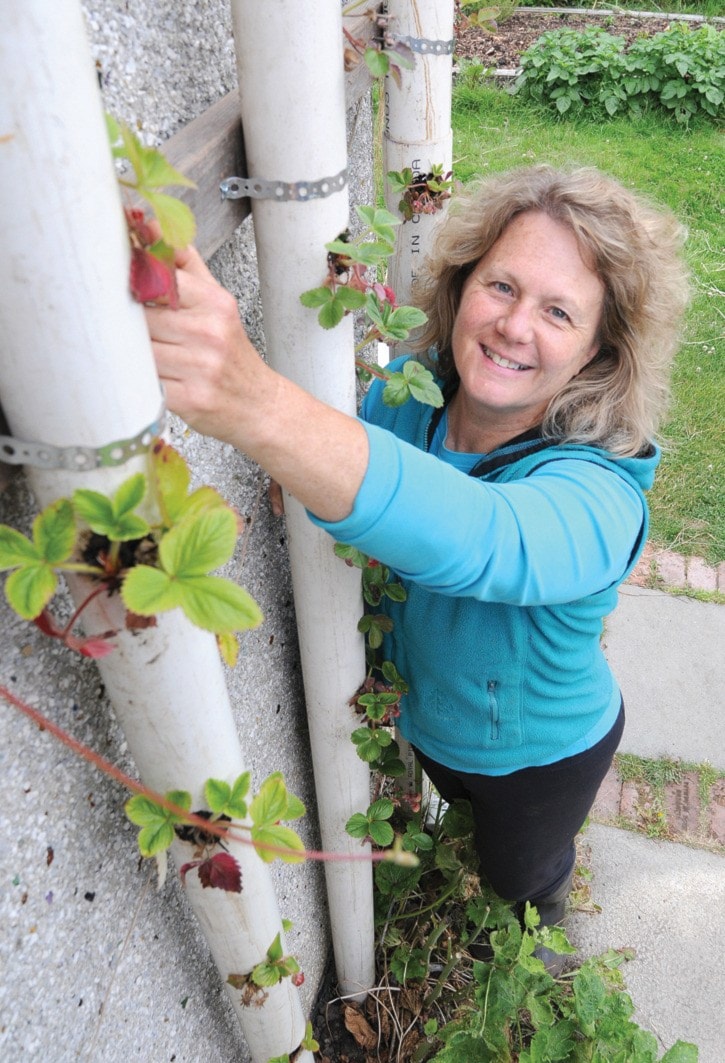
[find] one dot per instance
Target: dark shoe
(552, 910)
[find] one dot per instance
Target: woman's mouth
(505, 363)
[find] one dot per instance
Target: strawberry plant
(384, 54)
(155, 562)
(420, 193)
(153, 275)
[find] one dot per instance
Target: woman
(513, 514)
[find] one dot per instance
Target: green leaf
(147, 591)
(217, 604)
(157, 822)
(357, 825)
(30, 588)
(316, 297)
(176, 221)
(157, 171)
(155, 838)
(236, 805)
(351, 298)
(54, 531)
(295, 808)
(408, 317)
(377, 63)
(130, 494)
(270, 803)
(370, 742)
(111, 516)
(381, 833)
(16, 549)
(681, 1052)
(201, 542)
(331, 314)
(381, 809)
(379, 219)
(351, 553)
(94, 508)
(283, 837)
(422, 385)
(266, 974)
(275, 951)
(171, 479)
(217, 794)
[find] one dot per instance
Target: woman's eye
(501, 286)
(559, 314)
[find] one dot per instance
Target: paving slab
(666, 901)
(668, 654)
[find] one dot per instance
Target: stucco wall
(96, 964)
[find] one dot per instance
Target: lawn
(685, 170)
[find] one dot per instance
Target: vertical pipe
(292, 99)
(417, 125)
(77, 369)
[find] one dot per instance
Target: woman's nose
(516, 323)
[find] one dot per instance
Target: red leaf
(137, 224)
(152, 280)
(298, 978)
(222, 872)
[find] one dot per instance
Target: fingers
(276, 498)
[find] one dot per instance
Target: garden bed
(502, 49)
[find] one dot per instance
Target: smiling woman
(528, 321)
(511, 514)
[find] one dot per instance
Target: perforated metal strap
(283, 191)
(80, 459)
(425, 46)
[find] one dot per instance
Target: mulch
(502, 48)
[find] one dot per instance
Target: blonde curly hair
(618, 400)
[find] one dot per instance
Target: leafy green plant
(156, 564)
(420, 193)
(385, 53)
(153, 273)
(207, 828)
(680, 71)
(565, 68)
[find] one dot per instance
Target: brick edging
(666, 567)
(678, 816)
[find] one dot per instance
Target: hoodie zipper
(493, 712)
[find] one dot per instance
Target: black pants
(526, 822)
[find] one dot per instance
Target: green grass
(685, 170)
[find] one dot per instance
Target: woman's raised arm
(216, 381)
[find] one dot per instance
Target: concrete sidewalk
(666, 899)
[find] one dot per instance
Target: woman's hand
(216, 381)
(208, 367)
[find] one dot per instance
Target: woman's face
(527, 323)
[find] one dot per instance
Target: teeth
(504, 362)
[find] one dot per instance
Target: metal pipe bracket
(425, 46)
(283, 191)
(80, 459)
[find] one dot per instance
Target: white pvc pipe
(292, 98)
(77, 368)
(417, 125)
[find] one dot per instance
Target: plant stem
(73, 620)
(437, 902)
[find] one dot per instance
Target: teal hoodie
(509, 571)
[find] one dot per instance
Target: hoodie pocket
(494, 717)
